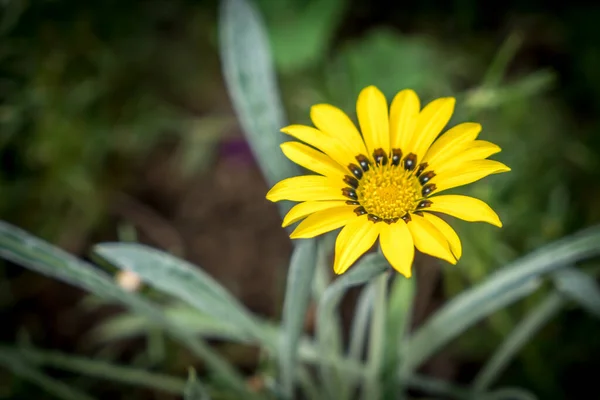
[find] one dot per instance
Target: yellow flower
(386, 182)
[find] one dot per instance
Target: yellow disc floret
(388, 191)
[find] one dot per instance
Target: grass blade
(297, 297)
(502, 288)
(518, 338)
(251, 82)
(579, 287)
(181, 280)
(56, 388)
(24, 249)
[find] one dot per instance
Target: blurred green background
(115, 124)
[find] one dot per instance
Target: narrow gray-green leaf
(360, 323)
(127, 325)
(180, 279)
(297, 297)
(402, 295)
(518, 338)
(25, 249)
(580, 288)
(358, 333)
(252, 85)
(307, 384)
(451, 320)
(54, 387)
(399, 314)
(503, 58)
(376, 355)
(507, 285)
(508, 394)
(366, 269)
(434, 386)
(97, 369)
(194, 390)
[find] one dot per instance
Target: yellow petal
(466, 173)
(324, 221)
(335, 123)
(353, 241)
(301, 210)
(306, 188)
(476, 150)
(330, 146)
(313, 160)
(404, 112)
(464, 207)
(397, 246)
(447, 231)
(429, 240)
(452, 142)
(372, 112)
(430, 123)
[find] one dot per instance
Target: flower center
(389, 191)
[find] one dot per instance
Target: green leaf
(126, 326)
(307, 384)
(358, 331)
(56, 388)
(506, 54)
(579, 287)
(97, 369)
(449, 390)
(455, 317)
(376, 354)
(399, 315)
(504, 287)
(436, 386)
(297, 297)
(508, 394)
(366, 269)
(22, 248)
(181, 280)
(517, 339)
(194, 390)
(360, 323)
(252, 86)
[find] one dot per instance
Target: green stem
(372, 389)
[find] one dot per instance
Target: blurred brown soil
(219, 220)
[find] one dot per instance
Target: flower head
(386, 182)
